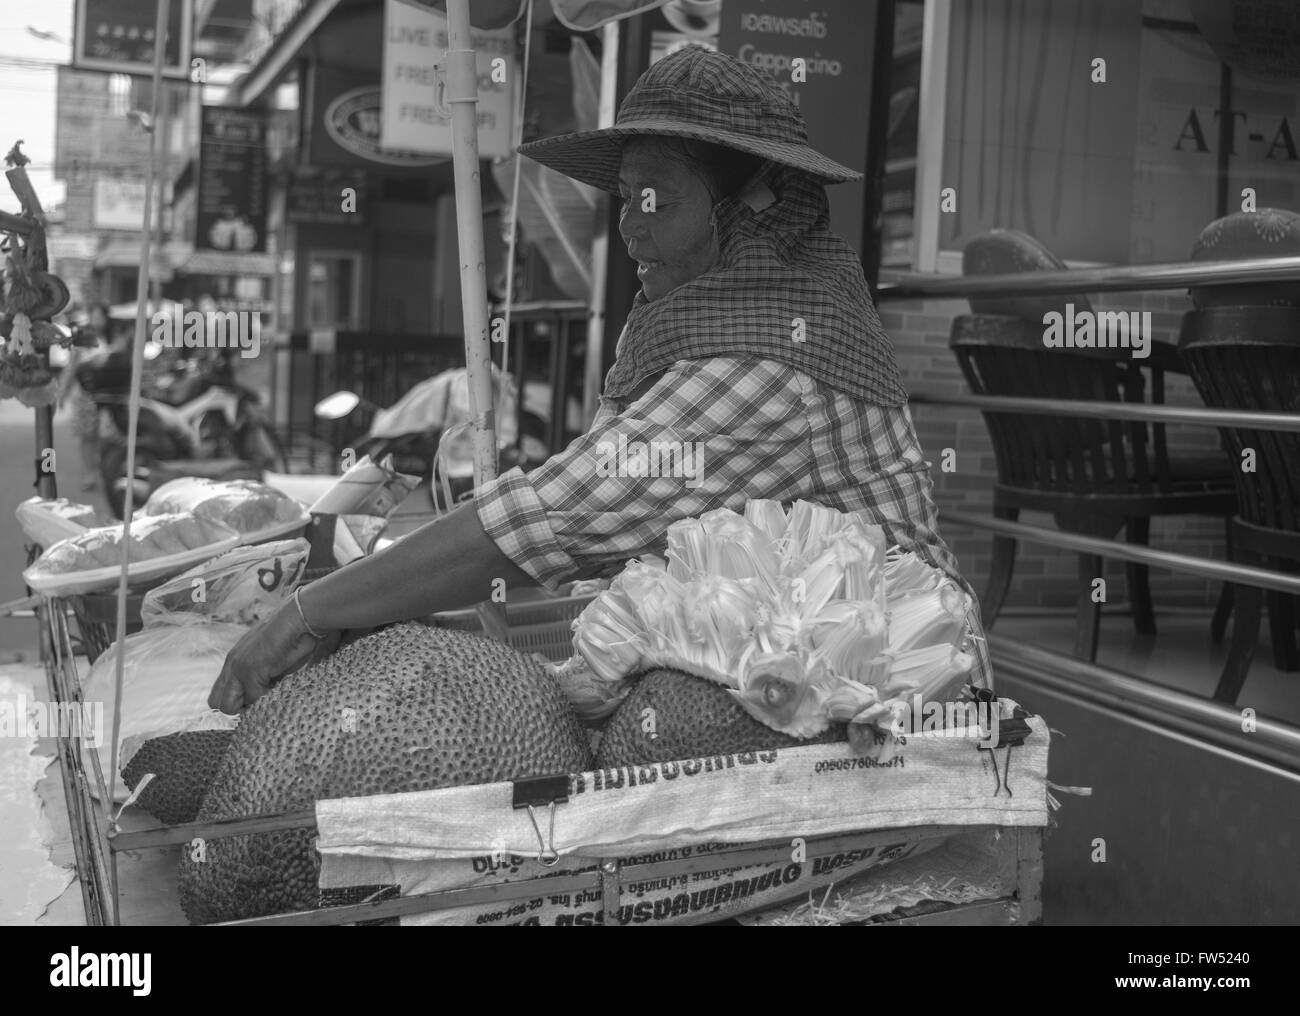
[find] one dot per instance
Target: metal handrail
(1100, 409)
(1106, 279)
(1241, 574)
(1215, 723)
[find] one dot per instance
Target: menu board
(231, 212)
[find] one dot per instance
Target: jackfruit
(672, 715)
(183, 765)
(408, 708)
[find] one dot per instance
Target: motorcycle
(194, 421)
(431, 416)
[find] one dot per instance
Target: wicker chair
(1094, 476)
(1249, 358)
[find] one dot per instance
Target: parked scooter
(413, 429)
(194, 421)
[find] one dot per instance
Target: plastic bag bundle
(160, 545)
(806, 616)
(254, 510)
(46, 520)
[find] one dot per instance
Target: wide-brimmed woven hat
(694, 93)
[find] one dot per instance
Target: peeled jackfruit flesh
(182, 766)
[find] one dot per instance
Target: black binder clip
(1011, 733)
(532, 793)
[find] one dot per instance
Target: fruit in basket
(245, 505)
(408, 708)
(183, 765)
(690, 717)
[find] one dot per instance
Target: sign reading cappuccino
(821, 53)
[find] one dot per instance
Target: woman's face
(674, 243)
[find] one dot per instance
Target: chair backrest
(1249, 358)
(1008, 251)
(1002, 355)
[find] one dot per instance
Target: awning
(126, 254)
(181, 258)
(283, 50)
(215, 262)
(577, 15)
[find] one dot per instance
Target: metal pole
(462, 99)
(133, 408)
(594, 364)
(1109, 279)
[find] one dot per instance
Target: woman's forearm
(447, 564)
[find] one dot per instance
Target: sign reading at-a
(231, 213)
(118, 35)
(415, 39)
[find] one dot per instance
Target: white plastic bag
(191, 623)
(169, 670)
(243, 586)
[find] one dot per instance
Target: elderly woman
(753, 339)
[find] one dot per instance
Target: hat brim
(594, 157)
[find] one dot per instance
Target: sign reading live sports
(118, 35)
(836, 41)
(231, 213)
(415, 40)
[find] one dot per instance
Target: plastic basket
(536, 626)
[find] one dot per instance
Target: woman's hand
(278, 646)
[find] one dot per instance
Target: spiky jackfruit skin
(692, 717)
(408, 708)
(183, 765)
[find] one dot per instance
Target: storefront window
(1110, 130)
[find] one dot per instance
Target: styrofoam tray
(279, 531)
(95, 579)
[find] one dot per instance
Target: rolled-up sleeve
(709, 434)
(727, 429)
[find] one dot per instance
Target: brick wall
(1045, 576)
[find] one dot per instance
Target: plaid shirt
(764, 430)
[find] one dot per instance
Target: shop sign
(118, 35)
(326, 201)
(415, 40)
(118, 204)
(351, 131)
